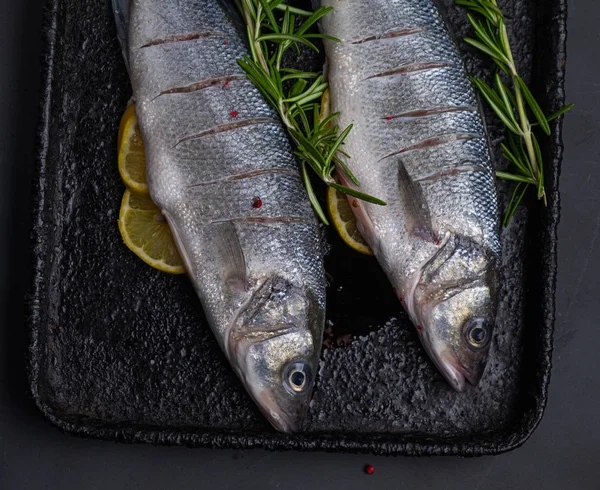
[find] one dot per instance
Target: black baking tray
(122, 352)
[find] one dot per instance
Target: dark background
(564, 452)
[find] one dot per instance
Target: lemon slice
(132, 158)
(147, 234)
(344, 221)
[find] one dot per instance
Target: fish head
(454, 305)
(275, 349)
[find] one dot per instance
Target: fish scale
(449, 89)
(242, 149)
(418, 142)
(213, 145)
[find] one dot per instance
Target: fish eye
(297, 378)
(478, 333)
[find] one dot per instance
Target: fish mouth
(281, 420)
(270, 408)
(455, 373)
(283, 424)
(267, 403)
(448, 364)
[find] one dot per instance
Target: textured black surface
(122, 352)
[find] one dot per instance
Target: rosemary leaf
(515, 177)
(506, 98)
(534, 106)
(349, 173)
(269, 13)
(509, 155)
(497, 105)
(338, 142)
(538, 154)
(355, 193)
(560, 112)
(514, 202)
(312, 196)
(483, 47)
(287, 37)
(294, 10)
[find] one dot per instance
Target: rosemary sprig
(513, 107)
(296, 94)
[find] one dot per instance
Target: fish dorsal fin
(228, 246)
(122, 11)
(416, 210)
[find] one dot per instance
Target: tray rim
(409, 444)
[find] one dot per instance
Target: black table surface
(563, 452)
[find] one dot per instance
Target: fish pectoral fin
(235, 272)
(416, 210)
(121, 11)
(275, 302)
(266, 315)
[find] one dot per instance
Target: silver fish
(419, 143)
(220, 167)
